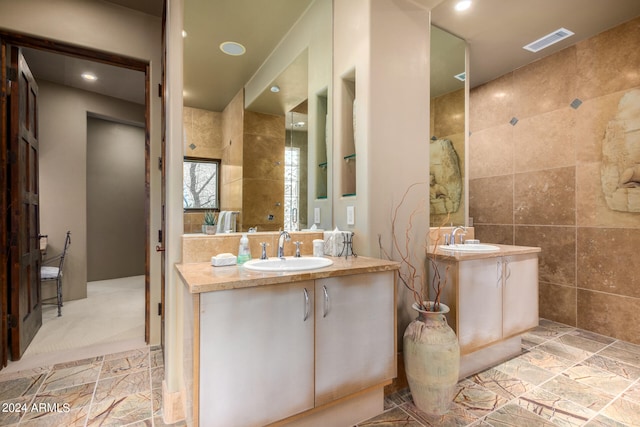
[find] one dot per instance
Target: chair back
(67, 243)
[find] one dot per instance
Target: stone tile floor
(564, 377)
(121, 389)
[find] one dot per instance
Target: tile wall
(251, 148)
(447, 122)
(537, 140)
(202, 138)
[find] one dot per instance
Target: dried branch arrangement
(410, 274)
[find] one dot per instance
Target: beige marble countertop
(203, 277)
(505, 250)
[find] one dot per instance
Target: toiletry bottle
(244, 254)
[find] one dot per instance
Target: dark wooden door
(4, 204)
(25, 305)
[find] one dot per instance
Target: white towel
(221, 222)
(227, 222)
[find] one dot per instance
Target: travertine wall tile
(605, 257)
(491, 152)
(545, 197)
(558, 193)
(492, 104)
(448, 111)
(491, 200)
(500, 234)
(557, 261)
(545, 141)
(608, 62)
(609, 314)
(202, 248)
(447, 122)
(545, 85)
(558, 302)
(592, 118)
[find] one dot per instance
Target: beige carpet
(112, 316)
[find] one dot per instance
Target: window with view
(291, 187)
(201, 183)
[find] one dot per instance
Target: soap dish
(223, 260)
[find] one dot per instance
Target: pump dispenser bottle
(244, 254)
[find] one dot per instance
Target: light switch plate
(351, 215)
(316, 215)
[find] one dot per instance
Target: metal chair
(53, 273)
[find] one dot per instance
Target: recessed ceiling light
(299, 124)
(184, 34)
(275, 88)
(463, 5)
(232, 48)
(90, 77)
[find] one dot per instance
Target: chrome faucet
(284, 235)
(453, 234)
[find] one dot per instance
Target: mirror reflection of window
(201, 183)
(291, 188)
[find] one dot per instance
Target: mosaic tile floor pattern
(121, 389)
(564, 377)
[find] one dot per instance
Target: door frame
(22, 40)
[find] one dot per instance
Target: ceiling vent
(548, 40)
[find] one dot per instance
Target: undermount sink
(474, 247)
(287, 264)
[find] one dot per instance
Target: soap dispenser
(244, 254)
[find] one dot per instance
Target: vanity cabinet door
(355, 333)
(520, 294)
(256, 354)
(479, 307)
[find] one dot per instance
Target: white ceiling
(212, 78)
(112, 81)
(495, 30)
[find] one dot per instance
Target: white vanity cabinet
(497, 298)
(493, 298)
(295, 349)
(256, 354)
(355, 332)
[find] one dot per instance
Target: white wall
(63, 170)
(115, 199)
(387, 42)
(114, 29)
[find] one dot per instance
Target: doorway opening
(68, 164)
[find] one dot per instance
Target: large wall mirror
(273, 134)
(447, 140)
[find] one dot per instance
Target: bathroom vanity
(297, 348)
(493, 298)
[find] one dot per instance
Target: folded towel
(221, 222)
(227, 222)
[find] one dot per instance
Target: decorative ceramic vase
(431, 360)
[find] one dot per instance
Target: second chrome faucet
(284, 235)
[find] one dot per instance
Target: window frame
(218, 163)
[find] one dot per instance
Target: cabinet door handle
(326, 301)
(307, 306)
(507, 269)
(498, 273)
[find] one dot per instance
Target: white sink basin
(287, 264)
(476, 247)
